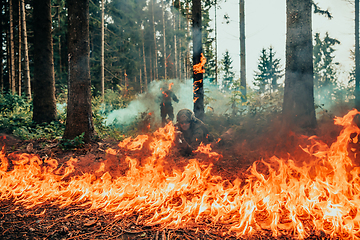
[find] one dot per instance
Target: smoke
(217, 101)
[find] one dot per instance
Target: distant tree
(298, 104)
(44, 104)
(79, 115)
(226, 67)
(269, 72)
(324, 68)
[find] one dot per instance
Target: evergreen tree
(226, 67)
(324, 68)
(269, 72)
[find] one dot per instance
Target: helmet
(185, 115)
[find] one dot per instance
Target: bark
(44, 105)
(26, 54)
(197, 51)
(79, 115)
(298, 105)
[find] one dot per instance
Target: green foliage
(226, 68)
(52, 130)
(68, 144)
(16, 119)
(325, 74)
(269, 71)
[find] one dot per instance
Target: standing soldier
(166, 108)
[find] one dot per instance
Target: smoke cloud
(217, 101)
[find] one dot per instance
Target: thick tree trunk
(298, 105)
(197, 52)
(44, 105)
(79, 115)
(26, 54)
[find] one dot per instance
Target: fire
(198, 68)
(323, 194)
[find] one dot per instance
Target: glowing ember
(321, 195)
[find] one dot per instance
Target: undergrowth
(249, 117)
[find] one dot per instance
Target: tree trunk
(242, 50)
(1, 50)
(102, 64)
(175, 43)
(44, 105)
(298, 105)
(187, 58)
(79, 115)
(164, 36)
(197, 52)
(26, 54)
(357, 57)
(144, 61)
(156, 72)
(59, 43)
(216, 46)
(19, 49)
(12, 52)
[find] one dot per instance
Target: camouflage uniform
(190, 139)
(166, 107)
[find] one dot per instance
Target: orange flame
(321, 195)
(198, 68)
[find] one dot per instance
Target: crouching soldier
(190, 132)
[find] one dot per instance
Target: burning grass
(144, 189)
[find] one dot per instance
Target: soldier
(191, 131)
(166, 108)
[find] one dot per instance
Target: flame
(198, 68)
(322, 195)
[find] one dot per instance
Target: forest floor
(239, 152)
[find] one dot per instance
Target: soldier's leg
(171, 113)
(163, 116)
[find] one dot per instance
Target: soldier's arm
(174, 97)
(197, 137)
